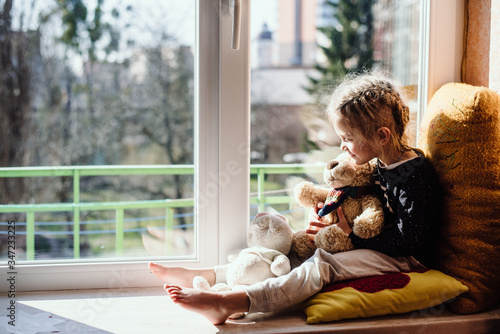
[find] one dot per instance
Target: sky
(150, 17)
(263, 11)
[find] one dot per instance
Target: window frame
(441, 50)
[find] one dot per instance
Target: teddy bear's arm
(333, 240)
(309, 195)
(280, 265)
(369, 223)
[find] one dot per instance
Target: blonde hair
(367, 102)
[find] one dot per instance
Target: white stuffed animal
(269, 240)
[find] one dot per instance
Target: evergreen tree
(349, 48)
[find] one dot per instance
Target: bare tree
(17, 50)
(89, 119)
(163, 110)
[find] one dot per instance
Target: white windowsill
(149, 310)
(131, 310)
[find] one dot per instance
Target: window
(101, 92)
(218, 171)
(288, 91)
(222, 120)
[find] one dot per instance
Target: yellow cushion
(461, 136)
(424, 290)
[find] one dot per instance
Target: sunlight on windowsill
(135, 310)
(149, 310)
(130, 310)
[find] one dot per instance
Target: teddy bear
(351, 187)
(269, 241)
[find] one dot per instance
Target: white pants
(321, 269)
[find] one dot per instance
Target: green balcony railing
(77, 172)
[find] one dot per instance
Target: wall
(494, 79)
(481, 65)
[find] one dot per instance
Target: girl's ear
(384, 134)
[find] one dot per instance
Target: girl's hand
(313, 213)
(344, 226)
(315, 223)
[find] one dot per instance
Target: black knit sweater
(412, 199)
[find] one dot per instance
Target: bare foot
(215, 306)
(181, 276)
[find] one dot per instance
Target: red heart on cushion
(372, 283)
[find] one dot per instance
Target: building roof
(265, 33)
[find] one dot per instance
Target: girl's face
(353, 143)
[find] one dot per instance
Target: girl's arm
(344, 226)
(417, 206)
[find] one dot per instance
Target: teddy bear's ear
(332, 164)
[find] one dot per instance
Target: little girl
(370, 117)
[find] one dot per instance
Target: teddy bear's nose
(332, 164)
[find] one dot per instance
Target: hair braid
(368, 102)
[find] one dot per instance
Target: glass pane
(297, 57)
(98, 96)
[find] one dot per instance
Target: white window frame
(222, 155)
(441, 50)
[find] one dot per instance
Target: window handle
(235, 37)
